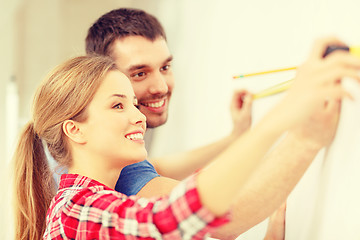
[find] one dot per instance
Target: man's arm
(276, 225)
(278, 174)
(281, 170)
(180, 166)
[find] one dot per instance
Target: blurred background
(211, 41)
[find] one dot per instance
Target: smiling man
(148, 65)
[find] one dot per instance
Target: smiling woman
(114, 108)
(86, 113)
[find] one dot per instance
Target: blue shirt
(134, 177)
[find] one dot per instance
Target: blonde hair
(64, 94)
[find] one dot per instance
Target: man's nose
(159, 84)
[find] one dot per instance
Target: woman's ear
(72, 130)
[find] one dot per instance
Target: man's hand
(319, 131)
(240, 108)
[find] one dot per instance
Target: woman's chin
(138, 158)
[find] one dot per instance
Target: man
(137, 42)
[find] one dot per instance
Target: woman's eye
(119, 106)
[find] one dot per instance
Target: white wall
(8, 111)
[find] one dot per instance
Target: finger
(342, 58)
(336, 93)
(240, 97)
(240, 92)
(248, 100)
(321, 44)
(334, 75)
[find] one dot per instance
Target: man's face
(148, 66)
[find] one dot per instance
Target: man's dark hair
(120, 23)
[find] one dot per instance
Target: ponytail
(34, 185)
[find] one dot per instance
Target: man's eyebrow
(137, 67)
(169, 59)
(141, 66)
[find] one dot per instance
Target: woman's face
(115, 128)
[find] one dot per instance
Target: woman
(85, 111)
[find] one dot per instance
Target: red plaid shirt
(86, 209)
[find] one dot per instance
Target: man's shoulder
(134, 177)
(143, 165)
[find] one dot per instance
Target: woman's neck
(96, 169)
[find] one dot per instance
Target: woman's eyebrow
(118, 95)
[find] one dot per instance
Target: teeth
(135, 136)
(155, 104)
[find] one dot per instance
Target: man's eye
(166, 67)
(140, 74)
(119, 106)
(137, 106)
